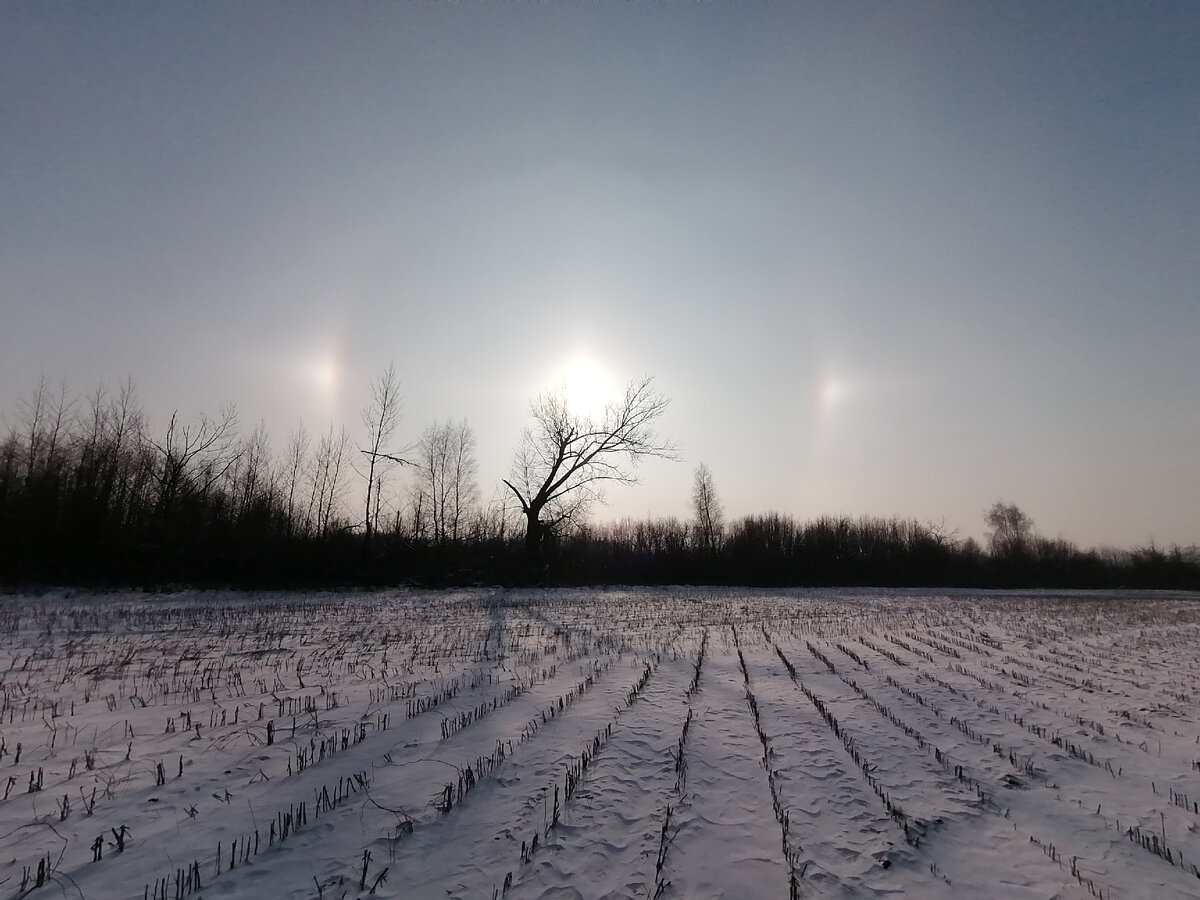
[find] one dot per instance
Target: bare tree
(31, 412)
(447, 492)
(494, 520)
(707, 510)
(91, 440)
(253, 480)
(327, 479)
(192, 458)
(1010, 529)
(127, 475)
(10, 455)
(294, 466)
(565, 460)
(48, 417)
(418, 515)
(939, 533)
(464, 473)
(380, 419)
(111, 456)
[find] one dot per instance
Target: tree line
(91, 493)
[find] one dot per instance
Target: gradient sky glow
(886, 258)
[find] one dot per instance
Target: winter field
(600, 743)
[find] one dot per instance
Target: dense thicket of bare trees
(92, 491)
(774, 549)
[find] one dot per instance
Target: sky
(888, 259)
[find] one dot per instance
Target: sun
(587, 385)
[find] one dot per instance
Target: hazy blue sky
(886, 258)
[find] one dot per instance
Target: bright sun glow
(588, 386)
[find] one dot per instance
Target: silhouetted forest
(89, 495)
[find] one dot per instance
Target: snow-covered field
(600, 743)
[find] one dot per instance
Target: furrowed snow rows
(599, 744)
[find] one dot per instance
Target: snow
(600, 744)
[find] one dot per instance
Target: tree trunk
(535, 530)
